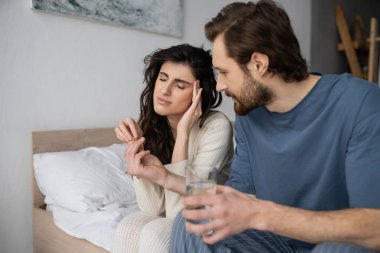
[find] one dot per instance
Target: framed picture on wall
(158, 16)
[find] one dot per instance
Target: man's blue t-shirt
(324, 154)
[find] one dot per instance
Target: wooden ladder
(349, 46)
(373, 58)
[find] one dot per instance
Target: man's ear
(258, 64)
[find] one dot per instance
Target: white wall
(65, 73)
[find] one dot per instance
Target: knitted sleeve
(211, 145)
(150, 197)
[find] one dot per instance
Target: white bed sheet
(98, 227)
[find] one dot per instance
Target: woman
(176, 128)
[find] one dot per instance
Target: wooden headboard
(67, 140)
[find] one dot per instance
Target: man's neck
(288, 95)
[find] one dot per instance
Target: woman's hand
(141, 163)
(128, 130)
(193, 113)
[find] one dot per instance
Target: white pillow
(86, 180)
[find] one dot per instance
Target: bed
(47, 237)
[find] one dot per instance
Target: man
(306, 171)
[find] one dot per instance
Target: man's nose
(220, 86)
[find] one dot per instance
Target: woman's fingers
(125, 129)
(134, 147)
(134, 156)
(197, 92)
(198, 98)
(129, 127)
(195, 89)
(198, 103)
(120, 135)
(128, 130)
(140, 155)
(133, 127)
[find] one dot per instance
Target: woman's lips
(162, 101)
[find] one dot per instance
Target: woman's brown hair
(156, 129)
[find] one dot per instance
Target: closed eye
(181, 85)
(163, 76)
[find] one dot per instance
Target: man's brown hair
(265, 28)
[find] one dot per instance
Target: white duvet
(97, 227)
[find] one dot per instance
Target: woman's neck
(173, 123)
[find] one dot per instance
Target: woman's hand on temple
(193, 113)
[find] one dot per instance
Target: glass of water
(200, 180)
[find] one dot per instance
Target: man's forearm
(358, 226)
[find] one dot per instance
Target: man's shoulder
(348, 91)
(349, 84)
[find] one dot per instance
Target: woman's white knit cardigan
(149, 230)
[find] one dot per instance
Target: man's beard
(251, 95)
